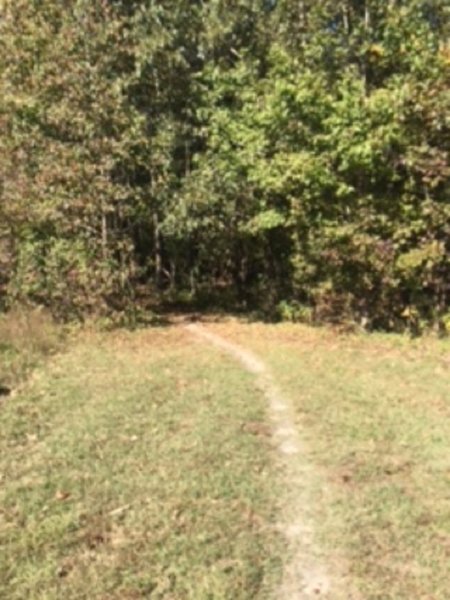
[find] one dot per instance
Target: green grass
(127, 471)
(132, 465)
(376, 413)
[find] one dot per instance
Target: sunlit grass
(128, 468)
(127, 471)
(376, 414)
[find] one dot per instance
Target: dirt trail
(306, 574)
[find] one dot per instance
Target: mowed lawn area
(127, 470)
(140, 465)
(375, 413)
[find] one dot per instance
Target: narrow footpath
(306, 573)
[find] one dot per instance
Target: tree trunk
(157, 249)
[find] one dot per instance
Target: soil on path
(307, 573)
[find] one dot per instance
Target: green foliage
(299, 153)
(294, 312)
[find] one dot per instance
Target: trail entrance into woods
(306, 572)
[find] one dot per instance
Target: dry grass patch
(26, 336)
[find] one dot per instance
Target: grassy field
(127, 471)
(139, 465)
(376, 414)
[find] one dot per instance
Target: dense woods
(287, 156)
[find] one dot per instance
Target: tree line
(281, 155)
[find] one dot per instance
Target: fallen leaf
(62, 495)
